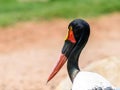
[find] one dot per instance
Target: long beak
(67, 48)
(58, 66)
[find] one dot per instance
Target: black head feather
(79, 26)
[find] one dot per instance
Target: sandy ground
(28, 51)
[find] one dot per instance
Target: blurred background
(32, 34)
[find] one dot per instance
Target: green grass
(12, 11)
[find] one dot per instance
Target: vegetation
(12, 11)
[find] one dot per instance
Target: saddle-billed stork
(78, 34)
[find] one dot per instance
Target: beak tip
(50, 77)
(47, 82)
(58, 66)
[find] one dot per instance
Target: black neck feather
(72, 64)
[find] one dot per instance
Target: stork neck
(72, 64)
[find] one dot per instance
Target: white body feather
(88, 81)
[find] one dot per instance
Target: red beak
(67, 48)
(58, 66)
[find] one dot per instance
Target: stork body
(90, 81)
(77, 38)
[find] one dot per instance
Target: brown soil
(28, 51)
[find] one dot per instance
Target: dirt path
(29, 50)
